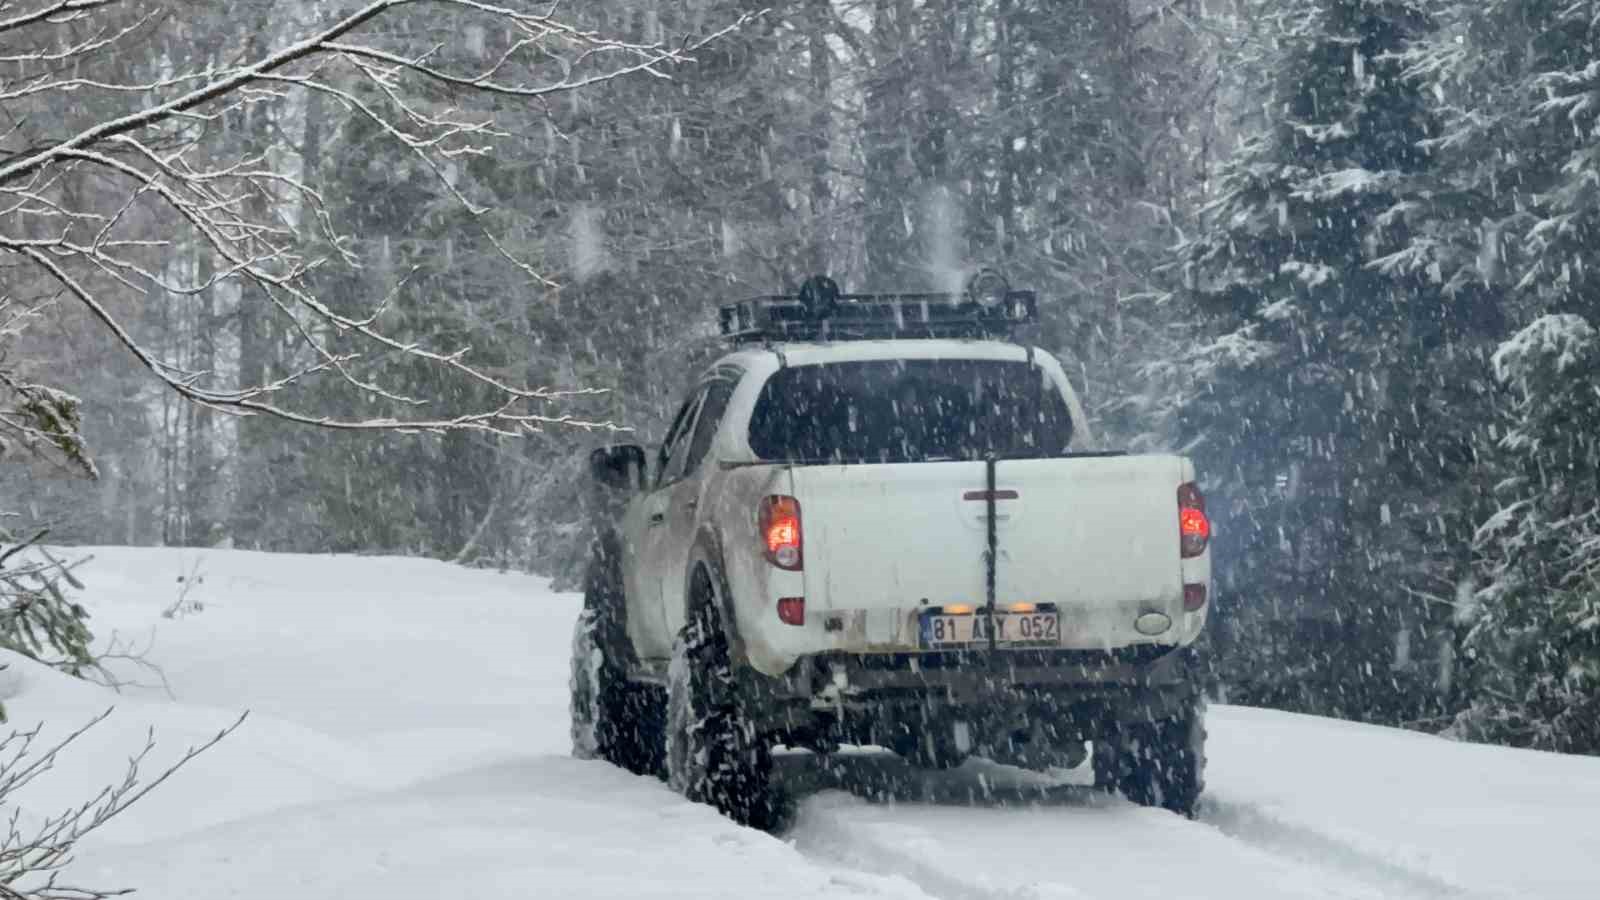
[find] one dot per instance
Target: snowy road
(976, 835)
(1068, 843)
(408, 740)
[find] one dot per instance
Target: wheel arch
(707, 554)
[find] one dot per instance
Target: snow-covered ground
(408, 738)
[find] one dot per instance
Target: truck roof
(805, 353)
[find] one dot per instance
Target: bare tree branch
(260, 221)
(57, 13)
(31, 862)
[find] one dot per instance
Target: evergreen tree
(1519, 98)
(1535, 636)
(1326, 410)
(1519, 88)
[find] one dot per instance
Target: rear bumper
(1092, 688)
(982, 671)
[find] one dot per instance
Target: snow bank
(1466, 818)
(408, 738)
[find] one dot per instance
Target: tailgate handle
(985, 496)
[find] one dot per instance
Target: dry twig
(33, 859)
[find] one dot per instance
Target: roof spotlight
(819, 295)
(988, 288)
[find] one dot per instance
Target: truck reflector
(1194, 597)
(792, 610)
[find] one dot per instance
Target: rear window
(909, 411)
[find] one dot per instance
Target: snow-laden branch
(254, 217)
(536, 27)
(58, 13)
(503, 419)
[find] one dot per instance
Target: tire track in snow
(960, 836)
(1274, 834)
(826, 824)
(823, 831)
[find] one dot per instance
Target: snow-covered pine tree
(1535, 636)
(1323, 413)
(1518, 84)
(1517, 88)
(1564, 242)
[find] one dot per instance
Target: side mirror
(619, 466)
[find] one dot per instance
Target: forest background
(1340, 251)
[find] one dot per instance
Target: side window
(1054, 434)
(670, 460)
(705, 428)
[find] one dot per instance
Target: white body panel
(1095, 535)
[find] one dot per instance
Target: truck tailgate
(1096, 536)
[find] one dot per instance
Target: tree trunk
(887, 97)
(200, 508)
(818, 14)
(1006, 97)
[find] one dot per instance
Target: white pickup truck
(876, 521)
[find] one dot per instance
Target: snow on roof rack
(819, 312)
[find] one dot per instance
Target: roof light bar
(820, 312)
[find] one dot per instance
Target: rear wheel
(1160, 763)
(714, 753)
(611, 719)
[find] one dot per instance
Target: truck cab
(880, 520)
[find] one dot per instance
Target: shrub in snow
(34, 856)
(38, 620)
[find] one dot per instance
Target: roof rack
(819, 312)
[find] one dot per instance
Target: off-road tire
(1159, 764)
(612, 720)
(714, 753)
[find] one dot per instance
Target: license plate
(1011, 629)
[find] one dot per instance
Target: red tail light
(1194, 529)
(792, 610)
(780, 530)
(1194, 597)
